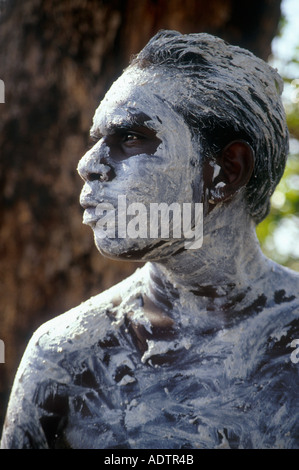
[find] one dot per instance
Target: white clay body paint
(202, 389)
(216, 170)
(143, 178)
(193, 351)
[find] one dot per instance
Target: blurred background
(57, 60)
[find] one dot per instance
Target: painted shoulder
(57, 347)
(89, 322)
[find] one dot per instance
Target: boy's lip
(89, 216)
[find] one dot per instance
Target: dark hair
(227, 93)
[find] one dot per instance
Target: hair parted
(227, 93)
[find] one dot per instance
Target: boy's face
(143, 152)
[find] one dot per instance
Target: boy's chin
(124, 249)
(141, 250)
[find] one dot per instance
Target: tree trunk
(57, 58)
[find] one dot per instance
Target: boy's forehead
(122, 103)
(131, 89)
(137, 97)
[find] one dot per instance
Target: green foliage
(279, 232)
(292, 110)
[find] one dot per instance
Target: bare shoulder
(88, 322)
(58, 353)
(283, 283)
(283, 293)
(71, 337)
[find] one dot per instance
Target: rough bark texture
(57, 58)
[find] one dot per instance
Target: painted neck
(229, 262)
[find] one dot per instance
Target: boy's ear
(236, 163)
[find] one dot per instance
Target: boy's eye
(129, 137)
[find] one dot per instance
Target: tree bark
(57, 59)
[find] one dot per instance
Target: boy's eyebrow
(128, 122)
